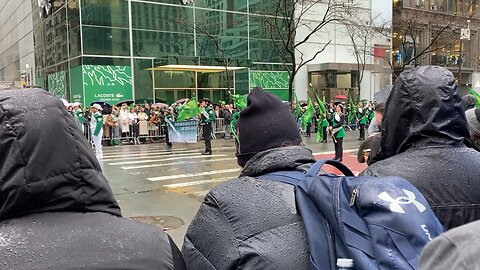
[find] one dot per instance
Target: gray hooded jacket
(249, 223)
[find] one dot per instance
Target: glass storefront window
(212, 22)
(143, 80)
(230, 5)
(162, 18)
(265, 50)
(157, 44)
(105, 41)
(233, 47)
(449, 50)
(105, 13)
(403, 49)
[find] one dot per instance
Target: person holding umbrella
(208, 118)
(96, 127)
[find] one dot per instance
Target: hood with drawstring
(425, 140)
(57, 210)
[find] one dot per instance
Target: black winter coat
(424, 131)
(56, 208)
(248, 223)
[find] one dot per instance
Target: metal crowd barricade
(155, 133)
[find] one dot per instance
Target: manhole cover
(163, 222)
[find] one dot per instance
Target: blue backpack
(379, 222)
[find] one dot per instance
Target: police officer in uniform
(167, 116)
(208, 117)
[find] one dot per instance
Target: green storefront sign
(76, 84)
(107, 83)
(275, 82)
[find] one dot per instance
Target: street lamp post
(464, 34)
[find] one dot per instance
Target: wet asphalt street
(165, 187)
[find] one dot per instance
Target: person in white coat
(124, 121)
(96, 127)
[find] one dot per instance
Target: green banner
(76, 85)
(107, 83)
(275, 82)
(57, 84)
(183, 131)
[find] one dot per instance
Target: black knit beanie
(264, 124)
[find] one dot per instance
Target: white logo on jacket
(396, 204)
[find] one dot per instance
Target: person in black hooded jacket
(424, 140)
(56, 208)
(252, 223)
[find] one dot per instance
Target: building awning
(202, 69)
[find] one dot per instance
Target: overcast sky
(383, 7)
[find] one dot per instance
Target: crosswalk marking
(196, 183)
(333, 152)
(176, 163)
(154, 156)
(146, 153)
(122, 152)
(170, 177)
(163, 159)
(141, 150)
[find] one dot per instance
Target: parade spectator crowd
(141, 123)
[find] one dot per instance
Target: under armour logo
(395, 204)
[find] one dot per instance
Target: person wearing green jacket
(208, 118)
(337, 131)
(362, 120)
(96, 127)
(78, 114)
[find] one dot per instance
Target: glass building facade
(112, 50)
(16, 42)
(428, 32)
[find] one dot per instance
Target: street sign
(465, 34)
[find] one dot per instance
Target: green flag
(476, 95)
(308, 114)
(319, 132)
(297, 110)
(189, 110)
(323, 110)
(351, 113)
(240, 101)
(321, 105)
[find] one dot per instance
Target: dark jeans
(207, 135)
(362, 131)
(338, 148)
(309, 129)
(167, 137)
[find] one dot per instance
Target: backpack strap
(317, 166)
(319, 232)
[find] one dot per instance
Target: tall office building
(16, 42)
(434, 37)
(154, 50)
